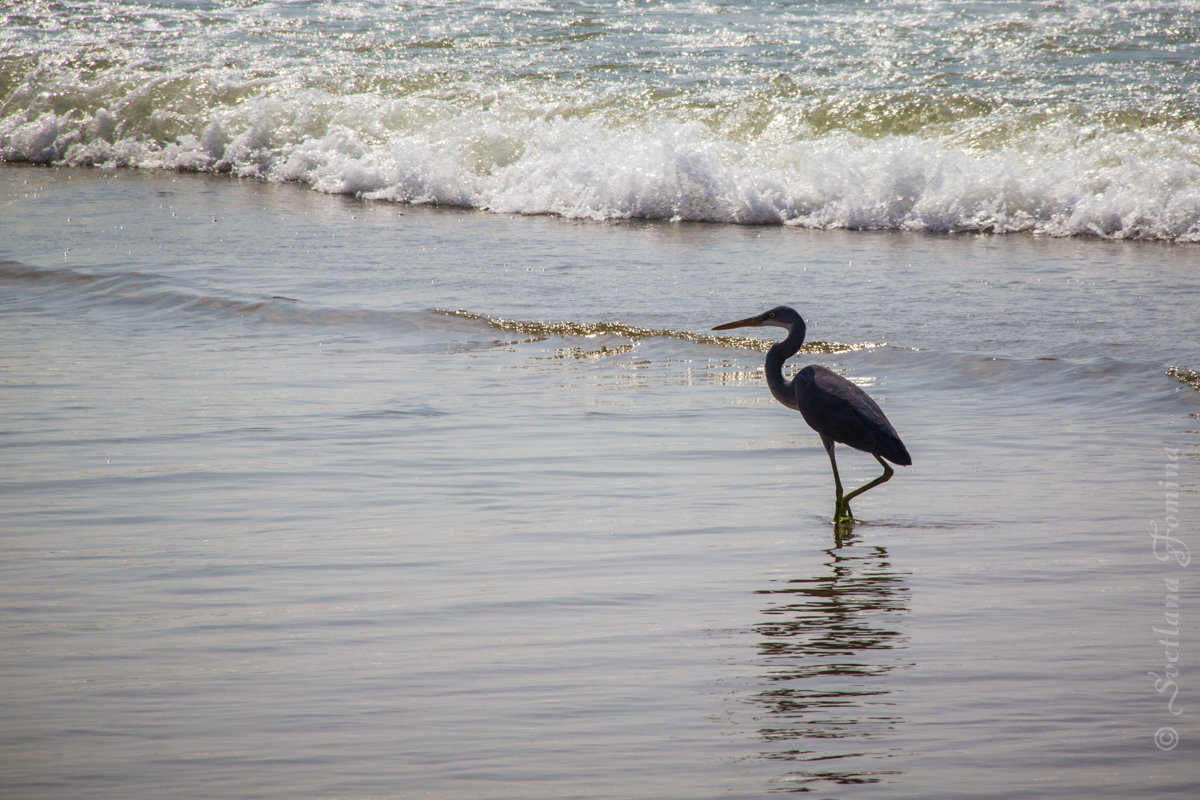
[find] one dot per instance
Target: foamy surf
(1064, 181)
(838, 117)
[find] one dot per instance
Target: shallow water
(276, 524)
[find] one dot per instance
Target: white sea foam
(474, 109)
(1062, 180)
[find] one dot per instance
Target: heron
(838, 410)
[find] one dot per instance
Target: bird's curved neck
(781, 352)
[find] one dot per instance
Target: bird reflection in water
(827, 644)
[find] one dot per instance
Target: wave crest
(538, 329)
(1064, 178)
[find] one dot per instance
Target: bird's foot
(842, 515)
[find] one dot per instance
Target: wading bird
(832, 406)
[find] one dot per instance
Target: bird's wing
(839, 409)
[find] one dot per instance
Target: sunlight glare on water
(1060, 118)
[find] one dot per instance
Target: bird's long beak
(741, 323)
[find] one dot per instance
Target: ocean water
(312, 496)
(435, 483)
(1055, 117)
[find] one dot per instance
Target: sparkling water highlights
(1067, 118)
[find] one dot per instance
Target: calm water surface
(314, 487)
(276, 524)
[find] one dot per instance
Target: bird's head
(779, 317)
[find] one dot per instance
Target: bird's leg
(887, 473)
(841, 508)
